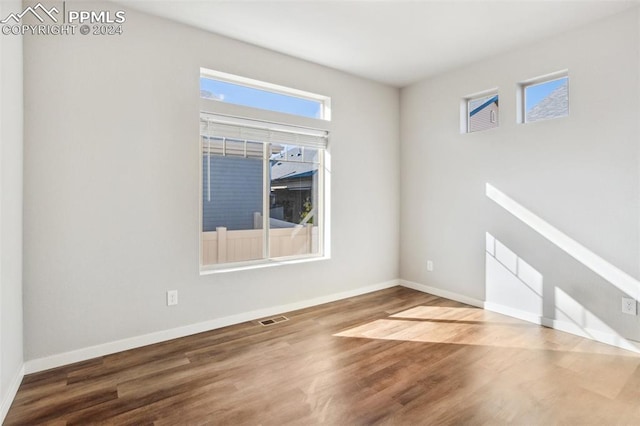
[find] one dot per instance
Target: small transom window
(222, 87)
(545, 98)
(480, 112)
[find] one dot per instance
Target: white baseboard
(567, 327)
(57, 360)
(608, 338)
(10, 395)
(597, 335)
(515, 313)
(442, 293)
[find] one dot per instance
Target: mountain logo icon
(39, 11)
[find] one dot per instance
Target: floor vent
(274, 320)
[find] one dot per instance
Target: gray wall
(112, 186)
(11, 330)
(579, 173)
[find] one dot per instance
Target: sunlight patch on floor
(473, 326)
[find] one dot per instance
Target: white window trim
(267, 263)
(275, 88)
(521, 100)
(265, 125)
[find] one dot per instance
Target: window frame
(465, 111)
(278, 121)
(325, 101)
(521, 98)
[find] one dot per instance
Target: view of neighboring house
(483, 113)
(232, 190)
(292, 187)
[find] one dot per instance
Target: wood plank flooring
(391, 357)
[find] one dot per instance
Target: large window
(262, 190)
(263, 172)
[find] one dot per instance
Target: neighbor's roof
(483, 106)
(556, 104)
(285, 166)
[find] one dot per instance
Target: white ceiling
(394, 42)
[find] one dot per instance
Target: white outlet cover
(172, 297)
(429, 265)
(629, 306)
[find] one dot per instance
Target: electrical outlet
(629, 306)
(429, 265)
(172, 297)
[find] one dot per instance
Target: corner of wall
(11, 188)
(581, 173)
(10, 394)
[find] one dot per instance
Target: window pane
(260, 180)
(483, 113)
(248, 96)
(547, 100)
(293, 224)
(232, 194)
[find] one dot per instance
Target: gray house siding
(236, 192)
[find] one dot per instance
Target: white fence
(223, 246)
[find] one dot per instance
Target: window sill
(257, 264)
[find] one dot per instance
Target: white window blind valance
(239, 133)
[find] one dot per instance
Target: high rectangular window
(236, 90)
(545, 98)
(481, 112)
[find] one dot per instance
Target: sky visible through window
(256, 98)
(538, 92)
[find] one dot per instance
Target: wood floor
(396, 356)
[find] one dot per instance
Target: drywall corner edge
(12, 391)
